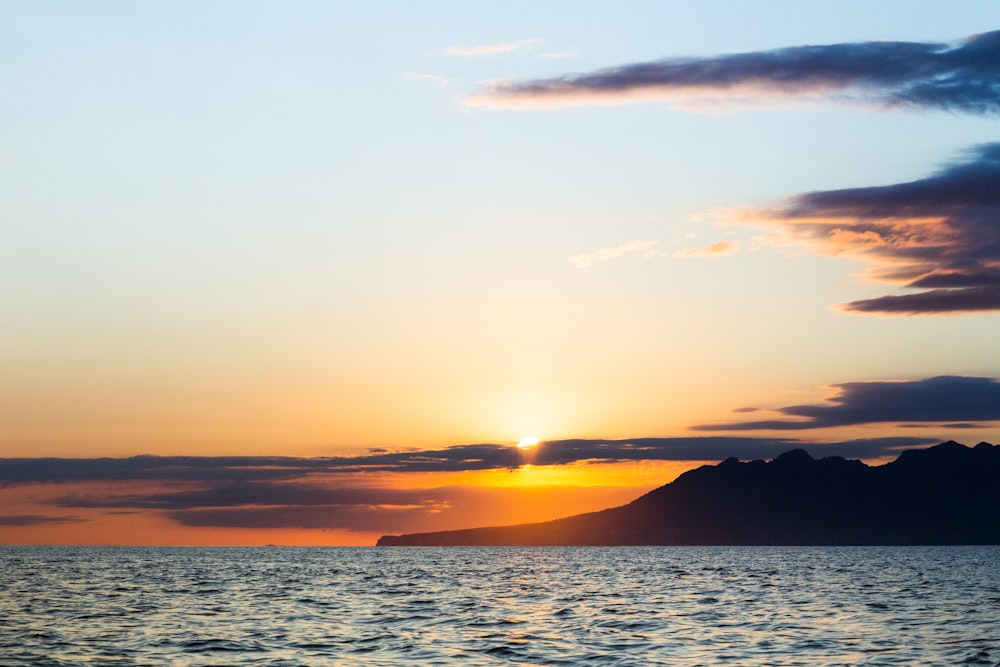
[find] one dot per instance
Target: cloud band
(961, 78)
(943, 399)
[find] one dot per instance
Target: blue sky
(308, 256)
(280, 227)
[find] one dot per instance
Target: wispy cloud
(940, 234)
(588, 259)
(962, 77)
(35, 519)
(938, 400)
(489, 49)
(429, 78)
(401, 510)
(714, 251)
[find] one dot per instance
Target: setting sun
(528, 442)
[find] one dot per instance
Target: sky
(308, 272)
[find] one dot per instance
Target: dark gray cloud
(36, 519)
(961, 77)
(948, 400)
(254, 468)
(940, 234)
(282, 504)
(251, 474)
(224, 493)
(712, 448)
(967, 300)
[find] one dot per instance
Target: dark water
(486, 606)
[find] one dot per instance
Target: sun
(527, 442)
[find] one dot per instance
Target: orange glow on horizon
(467, 499)
(581, 473)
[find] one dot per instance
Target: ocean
(492, 606)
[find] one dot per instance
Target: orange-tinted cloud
(940, 234)
(588, 259)
(714, 251)
(963, 77)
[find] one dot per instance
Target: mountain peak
(794, 457)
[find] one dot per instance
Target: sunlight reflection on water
(487, 606)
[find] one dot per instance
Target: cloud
(285, 505)
(940, 234)
(961, 78)
(712, 448)
(289, 504)
(967, 300)
(253, 477)
(35, 519)
(948, 400)
(430, 78)
(250, 478)
(586, 260)
(488, 49)
(225, 493)
(714, 251)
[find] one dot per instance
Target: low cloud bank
(249, 470)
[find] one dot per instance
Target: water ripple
(487, 606)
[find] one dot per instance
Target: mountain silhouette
(946, 494)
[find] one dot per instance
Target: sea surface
(494, 606)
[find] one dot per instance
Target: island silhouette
(946, 494)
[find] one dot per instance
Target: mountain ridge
(945, 494)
